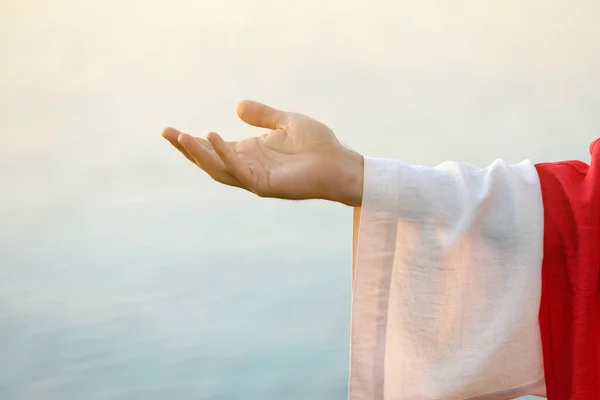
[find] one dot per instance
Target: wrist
(346, 179)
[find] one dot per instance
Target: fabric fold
(448, 283)
(570, 306)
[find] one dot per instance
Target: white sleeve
(448, 281)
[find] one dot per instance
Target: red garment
(570, 303)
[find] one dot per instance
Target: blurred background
(126, 273)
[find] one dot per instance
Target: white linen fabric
(447, 289)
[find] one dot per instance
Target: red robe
(570, 302)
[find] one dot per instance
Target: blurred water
(125, 273)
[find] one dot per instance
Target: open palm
(295, 160)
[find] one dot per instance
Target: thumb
(261, 115)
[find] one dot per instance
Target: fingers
(227, 154)
(171, 134)
(263, 116)
(206, 144)
(208, 162)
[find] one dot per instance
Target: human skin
(298, 158)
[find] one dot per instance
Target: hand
(300, 158)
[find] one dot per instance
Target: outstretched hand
(300, 158)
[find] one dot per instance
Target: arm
(446, 277)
